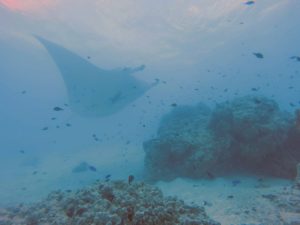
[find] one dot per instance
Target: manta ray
(93, 91)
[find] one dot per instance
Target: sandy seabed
(229, 200)
(241, 200)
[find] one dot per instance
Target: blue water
(207, 51)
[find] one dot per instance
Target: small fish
(23, 92)
(68, 125)
(107, 177)
(257, 101)
(173, 104)
(53, 118)
(22, 151)
(92, 168)
(249, 2)
(258, 55)
(56, 108)
(45, 128)
(297, 58)
(269, 196)
(254, 89)
(210, 175)
(235, 182)
(206, 203)
(130, 179)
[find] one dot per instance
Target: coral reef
(248, 134)
(108, 203)
(257, 132)
(184, 146)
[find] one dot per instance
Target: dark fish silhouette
(297, 58)
(57, 108)
(235, 182)
(249, 2)
(210, 175)
(107, 177)
(130, 179)
(258, 55)
(83, 167)
(92, 168)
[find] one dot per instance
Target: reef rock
(257, 131)
(248, 134)
(108, 203)
(297, 180)
(184, 146)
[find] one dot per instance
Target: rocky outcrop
(249, 134)
(297, 180)
(183, 142)
(108, 203)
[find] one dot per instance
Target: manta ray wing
(92, 91)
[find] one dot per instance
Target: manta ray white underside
(92, 91)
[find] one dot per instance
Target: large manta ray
(92, 91)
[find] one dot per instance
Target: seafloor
(230, 200)
(236, 164)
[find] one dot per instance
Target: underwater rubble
(249, 134)
(287, 202)
(108, 203)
